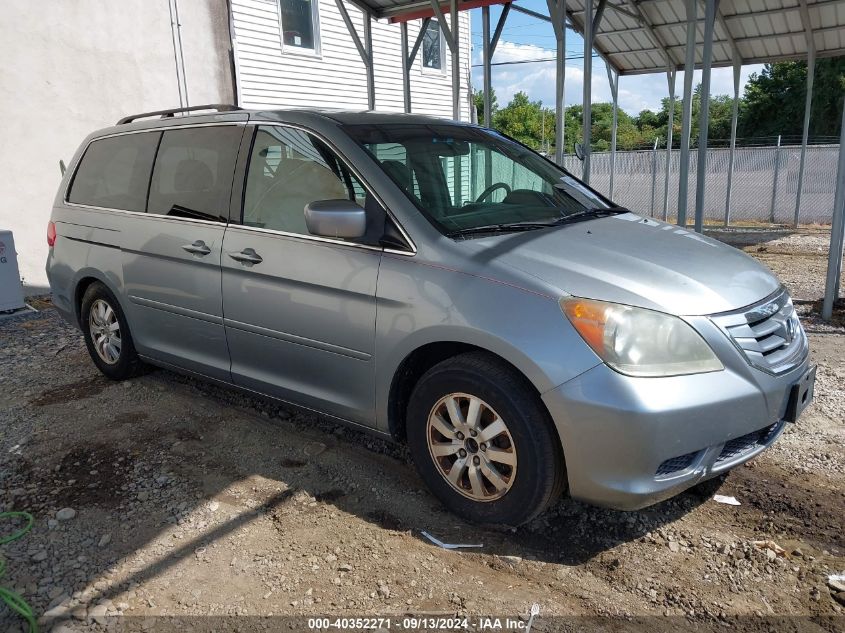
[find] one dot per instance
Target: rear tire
(107, 334)
(483, 442)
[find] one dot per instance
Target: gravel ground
(166, 496)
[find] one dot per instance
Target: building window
(432, 46)
(299, 24)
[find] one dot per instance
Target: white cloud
(636, 92)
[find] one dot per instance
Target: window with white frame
(300, 25)
(432, 47)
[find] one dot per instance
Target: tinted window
(115, 172)
(288, 169)
(193, 172)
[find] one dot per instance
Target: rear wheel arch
(82, 285)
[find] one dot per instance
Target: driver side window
(288, 169)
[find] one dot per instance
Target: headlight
(640, 342)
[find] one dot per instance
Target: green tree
(478, 98)
(523, 120)
(773, 102)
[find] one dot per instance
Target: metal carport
(652, 36)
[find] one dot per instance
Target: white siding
(271, 78)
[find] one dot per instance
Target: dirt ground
(166, 496)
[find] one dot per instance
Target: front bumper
(632, 442)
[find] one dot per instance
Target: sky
(525, 37)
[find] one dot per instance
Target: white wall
(72, 67)
(273, 78)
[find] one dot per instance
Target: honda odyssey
(434, 282)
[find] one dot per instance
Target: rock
(143, 495)
(674, 546)
(105, 539)
(65, 514)
(840, 597)
(214, 506)
(40, 556)
(344, 567)
(836, 585)
(98, 614)
(384, 591)
(59, 612)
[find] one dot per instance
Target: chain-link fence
(765, 183)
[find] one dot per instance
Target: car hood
(636, 261)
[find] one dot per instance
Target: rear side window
(114, 172)
(193, 172)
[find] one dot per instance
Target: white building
(82, 65)
(294, 53)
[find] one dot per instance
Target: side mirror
(335, 218)
(579, 151)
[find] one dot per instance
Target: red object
(428, 13)
(51, 234)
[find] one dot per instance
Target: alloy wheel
(105, 331)
(472, 447)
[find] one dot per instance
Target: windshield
(464, 178)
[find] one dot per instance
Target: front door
(300, 310)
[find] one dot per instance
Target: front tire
(107, 334)
(483, 442)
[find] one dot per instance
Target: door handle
(197, 248)
(247, 256)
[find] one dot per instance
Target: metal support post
(710, 9)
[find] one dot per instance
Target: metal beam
(557, 9)
(727, 63)
(615, 7)
(406, 68)
(613, 78)
(364, 49)
(671, 75)
(418, 42)
(587, 103)
(704, 114)
(489, 48)
(408, 59)
(486, 55)
(837, 232)
(808, 104)
(451, 33)
(686, 119)
(732, 155)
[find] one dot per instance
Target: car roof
(304, 116)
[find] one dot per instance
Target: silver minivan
(434, 282)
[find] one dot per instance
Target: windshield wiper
(598, 212)
(504, 227)
(512, 227)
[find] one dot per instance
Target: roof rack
(165, 114)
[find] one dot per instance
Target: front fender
(420, 304)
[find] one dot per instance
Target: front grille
(769, 333)
(746, 443)
(676, 464)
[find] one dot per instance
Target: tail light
(51, 234)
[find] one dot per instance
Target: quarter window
(299, 23)
(115, 172)
(193, 172)
(432, 57)
(289, 169)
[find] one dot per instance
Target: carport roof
(647, 36)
